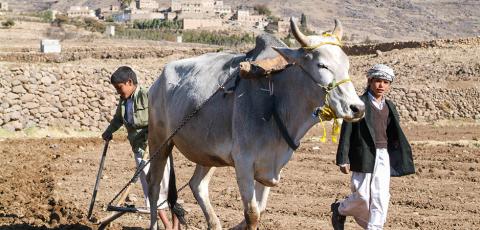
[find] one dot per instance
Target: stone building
(170, 16)
(208, 24)
(103, 13)
(146, 15)
(3, 6)
(206, 8)
(244, 17)
(283, 26)
(80, 11)
(147, 4)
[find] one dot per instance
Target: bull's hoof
(240, 226)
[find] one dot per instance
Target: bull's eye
(322, 66)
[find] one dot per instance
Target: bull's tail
(176, 208)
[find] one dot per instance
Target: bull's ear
(291, 55)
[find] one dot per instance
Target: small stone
(17, 125)
(19, 89)
(31, 105)
(46, 81)
(55, 216)
(131, 198)
(27, 97)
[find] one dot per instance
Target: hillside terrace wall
(75, 54)
(365, 49)
(80, 97)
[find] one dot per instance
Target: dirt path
(47, 183)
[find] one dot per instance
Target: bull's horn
(301, 38)
(338, 30)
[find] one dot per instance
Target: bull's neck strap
(283, 130)
(334, 84)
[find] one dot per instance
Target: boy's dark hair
(122, 75)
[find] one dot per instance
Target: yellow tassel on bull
(326, 114)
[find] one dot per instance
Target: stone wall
(63, 96)
(437, 104)
(79, 96)
(364, 49)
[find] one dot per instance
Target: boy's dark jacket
(357, 146)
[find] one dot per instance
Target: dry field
(47, 183)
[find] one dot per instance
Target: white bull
(232, 130)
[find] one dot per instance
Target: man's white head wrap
(381, 71)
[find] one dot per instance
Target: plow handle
(97, 182)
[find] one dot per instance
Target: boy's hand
(107, 136)
(345, 168)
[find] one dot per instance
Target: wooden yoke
(262, 68)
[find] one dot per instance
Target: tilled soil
(47, 183)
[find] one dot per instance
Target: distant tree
(367, 40)
(262, 9)
(125, 3)
(8, 24)
(288, 40)
(303, 21)
(61, 19)
(94, 25)
(46, 15)
(109, 18)
(273, 18)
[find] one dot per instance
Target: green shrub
(217, 38)
(157, 24)
(94, 25)
(47, 15)
(262, 9)
(193, 36)
(61, 19)
(8, 24)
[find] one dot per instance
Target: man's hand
(107, 136)
(345, 168)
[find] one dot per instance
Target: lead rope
(327, 113)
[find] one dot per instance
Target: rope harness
(326, 113)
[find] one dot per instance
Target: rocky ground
(47, 183)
